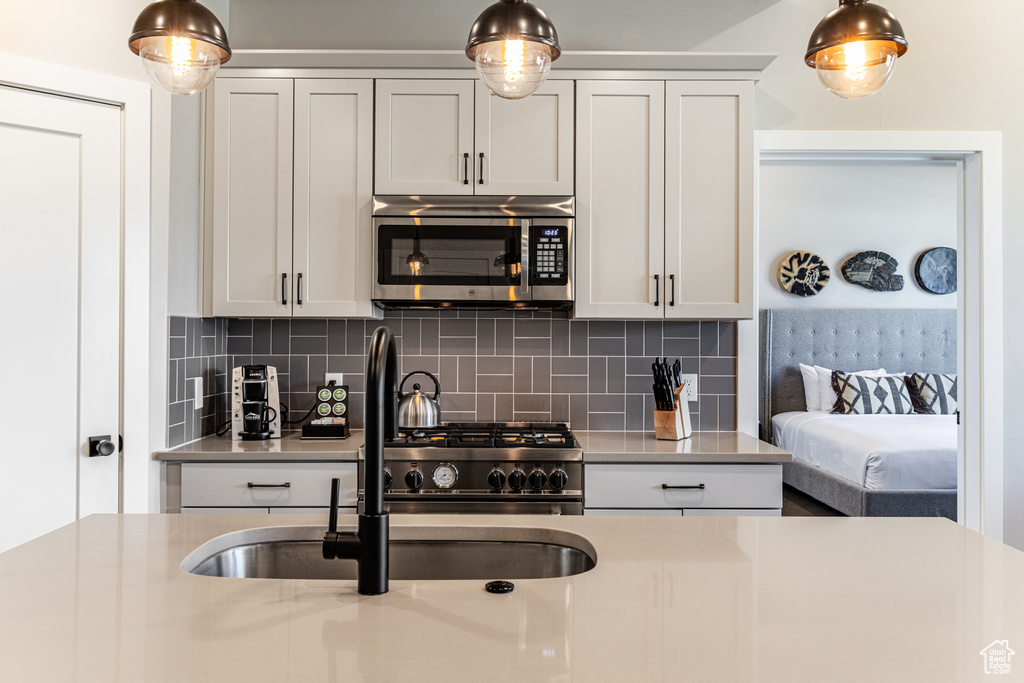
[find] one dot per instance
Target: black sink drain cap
(499, 586)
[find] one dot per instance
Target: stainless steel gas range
(484, 468)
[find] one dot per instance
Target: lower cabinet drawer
(224, 511)
(735, 512)
(342, 510)
(637, 513)
(270, 484)
(680, 486)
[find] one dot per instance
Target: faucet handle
(332, 516)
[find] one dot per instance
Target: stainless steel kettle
(417, 409)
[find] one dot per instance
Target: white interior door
(60, 235)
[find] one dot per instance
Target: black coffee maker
(255, 403)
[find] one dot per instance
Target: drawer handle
(695, 486)
(288, 484)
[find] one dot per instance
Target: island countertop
(671, 599)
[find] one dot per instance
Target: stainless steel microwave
(491, 252)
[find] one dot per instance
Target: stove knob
(496, 479)
(517, 479)
(559, 479)
(538, 479)
(387, 478)
(414, 479)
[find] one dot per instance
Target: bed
(861, 465)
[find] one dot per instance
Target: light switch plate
(336, 377)
(197, 393)
(690, 386)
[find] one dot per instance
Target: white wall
(838, 209)
(86, 35)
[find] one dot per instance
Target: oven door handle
(524, 258)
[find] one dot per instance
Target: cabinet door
(424, 137)
(709, 195)
(525, 146)
(252, 195)
(620, 200)
(332, 258)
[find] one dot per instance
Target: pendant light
(855, 47)
(513, 44)
(181, 44)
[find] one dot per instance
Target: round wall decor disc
(874, 270)
(935, 270)
(803, 273)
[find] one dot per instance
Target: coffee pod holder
(330, 414)
(674, 425)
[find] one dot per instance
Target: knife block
(674, 425)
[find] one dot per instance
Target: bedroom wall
(836, 209)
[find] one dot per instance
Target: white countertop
(291, 446)
(671, 599)
(700, 447)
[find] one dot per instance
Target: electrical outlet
(197, 395)
(335, 377)
(690, 386)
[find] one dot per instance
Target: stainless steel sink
(417, 553)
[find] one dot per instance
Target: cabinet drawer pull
(657, 290)
(481, 168)
(298, 289)
(465, 168)
(672, 280)
(695, 486)
(287, 485)
(284, 286)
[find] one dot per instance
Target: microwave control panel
(549, 255)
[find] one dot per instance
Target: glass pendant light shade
(181, 44)
(513, 44)
(855, 47)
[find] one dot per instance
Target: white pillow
(812, 394)
(827, 393)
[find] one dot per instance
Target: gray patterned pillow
(933, 394)
(860, 395)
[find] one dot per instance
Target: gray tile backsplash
(197, 348)
(492, 365)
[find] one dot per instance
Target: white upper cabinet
(252, 211)
(424, 137)
(273, 256)
(709, 199)
(664, 200)
(453, 137)
(332, 254)
(525, 146)
(620, 207)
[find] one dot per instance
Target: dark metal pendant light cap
(186, 18)
(513, 20)
(855, 20)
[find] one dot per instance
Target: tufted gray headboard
(899, 340)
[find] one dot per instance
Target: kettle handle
(437, 385)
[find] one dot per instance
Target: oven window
(448, 255)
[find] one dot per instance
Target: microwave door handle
(524, 258)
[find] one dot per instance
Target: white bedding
(875, 451)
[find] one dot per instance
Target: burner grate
(488, 435)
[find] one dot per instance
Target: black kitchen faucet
(368, 545)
